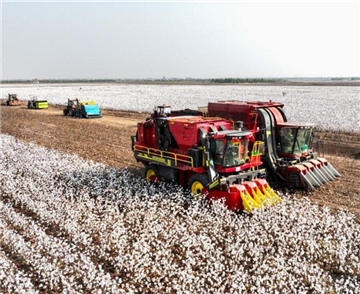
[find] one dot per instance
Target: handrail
(166, 154)
(256, 148)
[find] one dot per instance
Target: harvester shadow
(137, 171)
(122, 185)
(111, 182)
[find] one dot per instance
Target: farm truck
(288, 155)
(13, 100)
(34, 103)
(209, 156)
(82, 109)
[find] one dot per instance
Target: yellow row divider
(249, 203)
(270, 195)
(266, 200)
(256, 198)
(273, 194)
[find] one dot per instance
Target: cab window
(217, 148)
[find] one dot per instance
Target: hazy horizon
(187, 78)
(117, 40)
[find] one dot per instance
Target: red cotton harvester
(288, 154)
(209, 156)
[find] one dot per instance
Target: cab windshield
(294, 141)
(229, 153)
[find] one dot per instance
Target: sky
(200, 40)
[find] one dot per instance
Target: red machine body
(245, 111)
(288, 154)
(184, 129)
(206, 155)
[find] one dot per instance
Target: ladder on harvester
(256, 154)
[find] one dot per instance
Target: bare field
(107, 140)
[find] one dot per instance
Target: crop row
(81, 226)
(67, 259)
(12, 279)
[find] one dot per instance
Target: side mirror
(207, 155)
(202, 137)
(207, 144)
(262, 148)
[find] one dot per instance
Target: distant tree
(239, 81)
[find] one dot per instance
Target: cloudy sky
(199, 40)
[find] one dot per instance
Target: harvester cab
(34, 103)
(288, 154)
(294, 141)
(225, 154)
(13, 100)
(161, 111)
(207, 156)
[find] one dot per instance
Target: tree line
(238, 80)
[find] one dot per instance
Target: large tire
(197, 182)
(151, 173)
(65, 112)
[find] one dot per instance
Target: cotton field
(74, 226)
(328, 107)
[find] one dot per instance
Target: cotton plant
(13, 279)
(47, 275)
(64, 254)
(83, 227)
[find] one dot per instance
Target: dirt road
(107, 140)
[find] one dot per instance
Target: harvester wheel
(150, 173)
(196, 184)
(65, 112)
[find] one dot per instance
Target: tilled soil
(107, 140)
